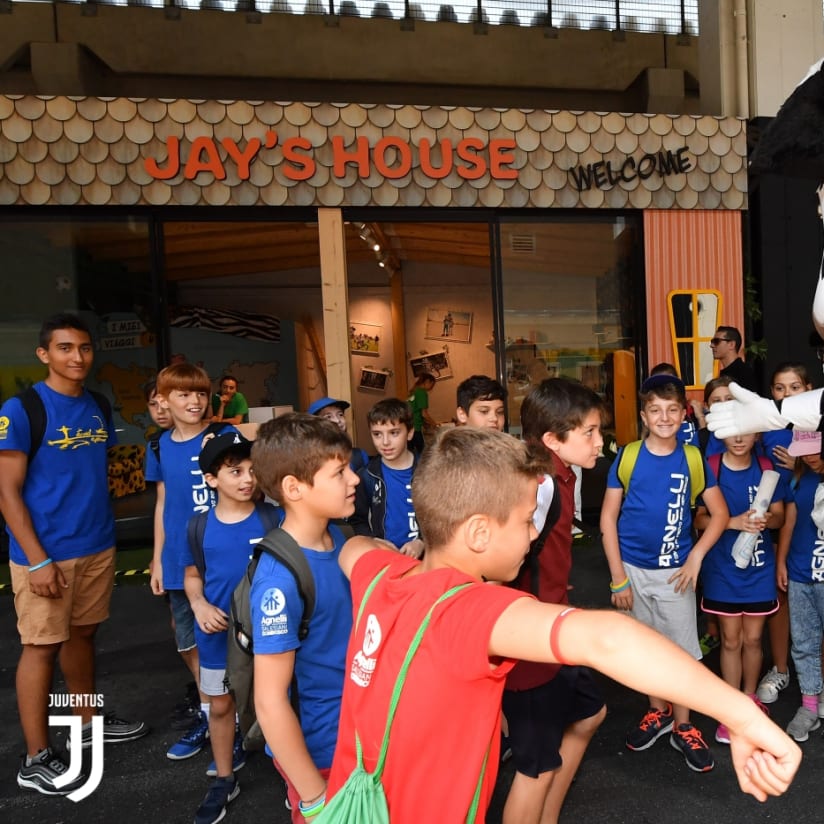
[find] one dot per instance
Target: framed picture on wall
(373, 380)
(364, 338)
(443, 323)
(437, 364)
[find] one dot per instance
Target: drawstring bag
(361, 799)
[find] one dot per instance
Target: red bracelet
(553, 634)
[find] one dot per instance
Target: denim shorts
(184, 620)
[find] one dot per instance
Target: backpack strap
(695, 463)
(284, 549)
(400, 680)
(765, 463)
(35, 411)
(532, 561)
(715, 463)
(628, 457)
(195, 530)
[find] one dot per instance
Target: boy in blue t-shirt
(303, 462)
(647, 538)
(383, 503)
(232, 529)
(183, 389)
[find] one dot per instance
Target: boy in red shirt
(475, 493)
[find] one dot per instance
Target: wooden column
(335, 295)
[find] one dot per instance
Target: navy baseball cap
(322, 403)
(215, 448)
(657, 381)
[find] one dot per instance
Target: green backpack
(361, 800)
(695, 463)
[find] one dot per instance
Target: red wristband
(553, 634)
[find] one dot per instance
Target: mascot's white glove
(747, 413)
(803, 411)
(818, 507)
(751, 413)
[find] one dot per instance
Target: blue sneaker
(213, 807)
(238, 757)
(191, 743)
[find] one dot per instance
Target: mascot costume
(793, 145)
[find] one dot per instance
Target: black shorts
(732, 609)
(538, 717)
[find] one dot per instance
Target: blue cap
(657, 381)
(322, 403)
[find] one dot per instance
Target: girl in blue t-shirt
(790, 378)
(741, 598)
(801, 574)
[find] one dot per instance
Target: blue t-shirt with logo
(654, 527)
(277, 608)
(400, 523)
(805, 560)
(227, 550)
(66, 489)
(186, 494)
(722, 579)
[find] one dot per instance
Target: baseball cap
(657, 381)
(215, 448)
(322, 403)
(805, 443)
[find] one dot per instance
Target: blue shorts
(538, 717)
(184, 620)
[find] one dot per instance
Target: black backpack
(35, 411)
(240, 662)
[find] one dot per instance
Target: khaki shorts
(85, 601)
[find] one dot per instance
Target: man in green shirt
(229, 405)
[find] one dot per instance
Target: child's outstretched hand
(764, 757)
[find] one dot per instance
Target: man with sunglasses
(725, 345)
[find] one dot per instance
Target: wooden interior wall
(688, 250)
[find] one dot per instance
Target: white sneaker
(771, 684)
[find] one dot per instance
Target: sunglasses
(716, 341)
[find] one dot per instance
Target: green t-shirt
(418, 400)
(236, 406)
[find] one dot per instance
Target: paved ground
(141, 677)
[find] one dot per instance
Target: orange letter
(498, 157)
(305, 165)
(243, 159)
(342, 157)
(426, 159)
(466, 150)
(173, 148)
(212, 164)
(404, 158)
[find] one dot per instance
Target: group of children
(463, 513)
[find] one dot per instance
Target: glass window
(569, 304)
(100, 270)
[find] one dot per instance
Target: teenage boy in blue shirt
(383, 504)
(232, 529)
(61, 545)
(652, 560)
(303, 462)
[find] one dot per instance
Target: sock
(810, 702)
(204, 708)
(30, 759)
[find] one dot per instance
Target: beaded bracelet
(312, 809)
(616, 588)
(41, 565)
